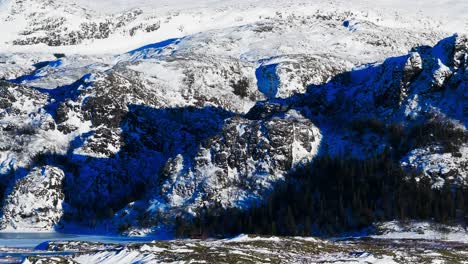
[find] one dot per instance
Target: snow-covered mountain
(116, 26)
(138, 113)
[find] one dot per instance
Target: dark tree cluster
(241, 87)
(444, 133)
(430, 133)
(332, 196)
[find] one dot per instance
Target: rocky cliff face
(246, 159)
(35, 202)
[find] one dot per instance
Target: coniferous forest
(335, 196)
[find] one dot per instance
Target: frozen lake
(14, 247)
(31, 240)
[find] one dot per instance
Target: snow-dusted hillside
(247, 249)
(158, 109)
(117, 26)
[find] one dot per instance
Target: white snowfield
(185, 18)
(422, 230)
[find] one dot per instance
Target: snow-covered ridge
(118, 26)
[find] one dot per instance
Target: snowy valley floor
(248, 249)
(395, 243)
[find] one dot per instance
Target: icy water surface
(31, 240)
(14, 247)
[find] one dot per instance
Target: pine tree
(291, 223)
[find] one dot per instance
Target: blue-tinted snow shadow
(268, 81)
(157, 47)
(63, 93)
(350, 25)
(35, 74)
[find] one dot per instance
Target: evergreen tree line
(332, 196)
(432, 132)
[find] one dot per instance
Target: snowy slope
(154, 21)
